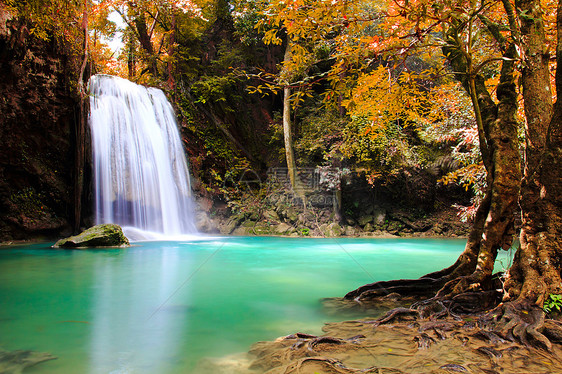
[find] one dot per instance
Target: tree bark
(536, 269)
(287, 130)
(80, 131)
(146, 43)
(497, 127)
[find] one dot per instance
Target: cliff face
(37, 116)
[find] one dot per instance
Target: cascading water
(141, 175)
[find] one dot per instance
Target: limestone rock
(282, 228)
(204, 223)
(240, 231)
(271, 215)
(229, 226)
(292, 214)
(334, 229)
(363, 220)
(350, 231)
(379, 216)
(105, 235)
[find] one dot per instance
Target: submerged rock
(14, 362)
(105, 235)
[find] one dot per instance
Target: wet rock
(204, 223)
(105, 235)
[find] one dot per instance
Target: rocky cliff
(37, 119)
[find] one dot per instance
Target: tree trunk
(171, 51)
(80, 131)
(131, 58)
(494, 221)
(287, 130)
(536, 269)
(146, 43)
(497, 127)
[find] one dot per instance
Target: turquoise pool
(159, 307)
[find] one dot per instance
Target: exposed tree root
(328, 365)
(422, 287)
(520, 321)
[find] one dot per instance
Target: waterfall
(141, 175)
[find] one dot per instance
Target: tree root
(518, 321)
(454, 368)
(475, 302)
(395, 313)
(332, 366)
(312, 342)
(553, 330)
(422, 287)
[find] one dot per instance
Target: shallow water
(159, 307)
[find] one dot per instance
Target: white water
(141, 175)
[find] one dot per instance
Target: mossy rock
(106, 235)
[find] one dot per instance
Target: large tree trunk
(504, 176)
(494, 222)
(536, 269)
(537, 266)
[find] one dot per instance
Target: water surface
(159, 307)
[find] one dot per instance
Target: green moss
(105, 235)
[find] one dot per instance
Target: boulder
(271, 215)
(282, 228)
(291, 214)
(363, 220)
(261, 229)
(350, 231)
(229, 226)
(241, 231)
(205, 224)
(105, 235)
(379, 216)
(334, 230)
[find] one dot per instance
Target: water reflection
(139, 314)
